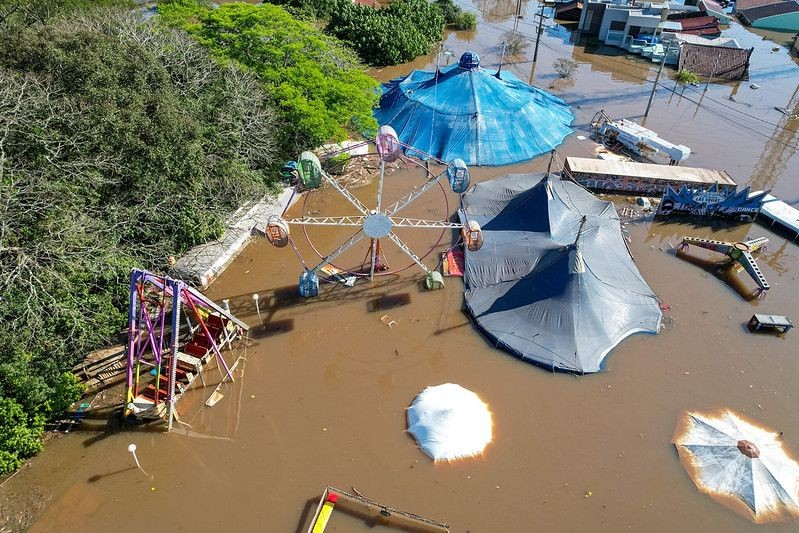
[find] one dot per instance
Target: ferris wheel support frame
(377, 223)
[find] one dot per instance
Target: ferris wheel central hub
(374, 223)
(377, 225)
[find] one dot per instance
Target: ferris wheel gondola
(376, 224)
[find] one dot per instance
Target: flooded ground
(327, 383)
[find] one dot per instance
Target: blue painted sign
(714, 201)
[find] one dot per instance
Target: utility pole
(540, 16)
(657, 79)
(501, 59)
(551, 159)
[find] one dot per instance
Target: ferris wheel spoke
(380, 185)
(345, 193)
(403, 222)
(328, 221)
(407, 251)
(352, 241)
(409, 198)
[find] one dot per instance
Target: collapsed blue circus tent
(554, 282)
(467, 112)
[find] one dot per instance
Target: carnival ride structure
(626, 135)
(376, 224)
(738, 252)
(174, 331)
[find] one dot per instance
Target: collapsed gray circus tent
(554, 282)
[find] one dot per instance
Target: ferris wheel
(376, 223)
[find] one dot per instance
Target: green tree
(315, 82)
(455, 17)
(684, 77)
(391, 35)
(20, 437)
(122, 142)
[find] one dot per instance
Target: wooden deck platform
(641, 178)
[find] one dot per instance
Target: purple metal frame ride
(142, 330)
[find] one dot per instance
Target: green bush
(20, 437)
(315, 81)
(465, 20)
(686, 77)
(310, 9)
(455, 17)
(391, 35)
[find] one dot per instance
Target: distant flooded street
(326, 383)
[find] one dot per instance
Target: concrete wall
(613, 14)
(646, 22)
(591, 17)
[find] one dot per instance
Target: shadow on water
(307, 514)
(388, 301)
(114, 424)
(97, 477)
(725, 270)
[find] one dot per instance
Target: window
(617, 25)
(634, 30)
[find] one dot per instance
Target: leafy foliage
(315, 81)
(686, 77)
(121, 143)
(391, 35)
(455, 17)
(310, 9)
(20, 13)
(20, 437)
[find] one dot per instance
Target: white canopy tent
(450, 422)
(740, 464)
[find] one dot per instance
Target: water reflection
(499, 10)
(779, 259)
(611, 60)
(779, 149)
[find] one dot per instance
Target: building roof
(648, 171)
(769, 10)
(717, 61)
(706, 25)
(726, 42)
(741, 5)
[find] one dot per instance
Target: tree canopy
(315, 82)
(390, 35)
(121, 143)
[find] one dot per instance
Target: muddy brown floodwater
(323, 397)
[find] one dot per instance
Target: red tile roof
(701, 26)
